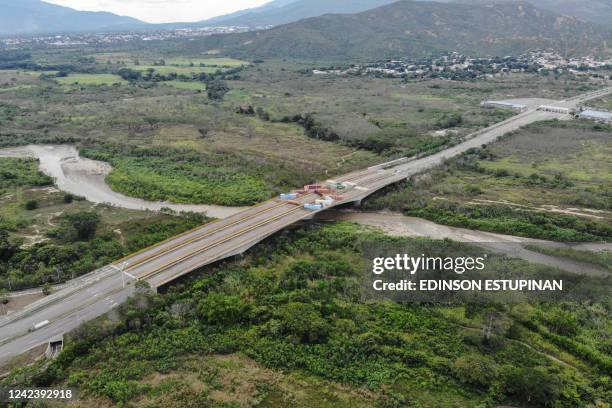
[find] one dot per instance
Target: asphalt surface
(100, 291)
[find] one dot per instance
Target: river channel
(86, 178)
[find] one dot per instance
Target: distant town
(77, 39)
(456, 66)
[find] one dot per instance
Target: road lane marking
(217, 243)
(202, 236)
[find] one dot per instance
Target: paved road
(98, 292)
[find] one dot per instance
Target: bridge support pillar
(357, 203)
(55, 345)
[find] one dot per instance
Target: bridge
(100, 291)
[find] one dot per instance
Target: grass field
(145, 59)
(390, 111)
(12, 78)
(169, 69)
(212, 62)
(192, 86)
(91, 79)
(603, 103)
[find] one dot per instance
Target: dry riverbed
(396, 224)
(86, 178)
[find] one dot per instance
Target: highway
(100, 291)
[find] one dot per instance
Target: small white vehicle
(40, 325)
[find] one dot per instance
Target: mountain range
(418, 29)
(279, 12)
(34, 17)
(594, 11)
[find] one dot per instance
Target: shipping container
(310, 187)
(313, 207)
(324, 203)
(290, 196)
(41, 324)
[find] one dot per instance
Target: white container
(41, 324)
(324, 203)
(289, 196)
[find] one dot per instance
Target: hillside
(287, 11)
(34, 16)
(594, 11)
(418, 29)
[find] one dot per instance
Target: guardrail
(70, 288)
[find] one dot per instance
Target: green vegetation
(286, 325)
(170, 69)
(549, 180)
(354, 122)
(21, 172)
(192, 86)
(49, 237)
(604, 103)
(216, 90)
(295, 306)
(181, 176)
(597, 258)
(90, 79)
(78, 245)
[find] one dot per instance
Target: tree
(31, 205)
(475, 369)
(46, 289)
(496, 323)
(216, 90)
(262, 114)
(304, 322)
(7, 248)
(562, 322)
(222, 309)
(85, 223)
(152, 121)
(129, 74)
(538, 386)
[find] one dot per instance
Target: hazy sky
(162, 11)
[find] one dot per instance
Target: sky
(163, 11)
